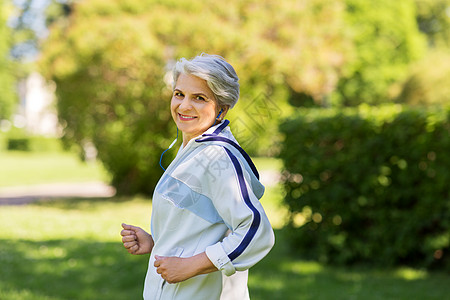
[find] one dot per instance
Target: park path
(20, 195)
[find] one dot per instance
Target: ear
(224, 111)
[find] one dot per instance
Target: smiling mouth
(185, 117)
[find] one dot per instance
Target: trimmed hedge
(369, 185)
(19, 140)
(19, 144)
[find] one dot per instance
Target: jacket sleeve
(228, 186)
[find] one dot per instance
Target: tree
(110, 91)
(7, 79)
(108, 59)
(428, 83)
(386, 40)
(433, 18)
(428, 80)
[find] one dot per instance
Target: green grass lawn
(28, 168)
(71, 249)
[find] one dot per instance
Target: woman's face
(193, 106)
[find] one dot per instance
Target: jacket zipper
(160, 290)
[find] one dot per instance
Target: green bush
(369, 185)
(3, 141)
(19, 144)
(34, 144)
(45, 144)
(17, 140)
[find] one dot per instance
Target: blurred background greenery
(345, 104)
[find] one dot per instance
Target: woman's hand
(176, 269)
(136, 240)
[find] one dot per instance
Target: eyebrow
(195, 94)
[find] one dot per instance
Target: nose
(185, 105)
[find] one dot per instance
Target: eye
(178, 94)
(201, 98)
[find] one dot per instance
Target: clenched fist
(136, 240)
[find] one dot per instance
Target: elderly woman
(206, 214)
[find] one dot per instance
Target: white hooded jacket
(209, 189)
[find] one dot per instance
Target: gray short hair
(219, 75)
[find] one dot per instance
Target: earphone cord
(171, 145)
(220, 112)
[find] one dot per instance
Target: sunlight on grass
(411, 274)
(302, 267)
(272, 284)
(87, 219)
(23, 294)
(27, 168)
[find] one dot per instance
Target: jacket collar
(216, 129)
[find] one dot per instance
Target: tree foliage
(109, 58)
(428, 83)
(111, 93)
(7, 80)
(433, 18)
(28, 26)
(386, 40)
(428, 80)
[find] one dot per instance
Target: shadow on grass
(69, 269)
(282, 276)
